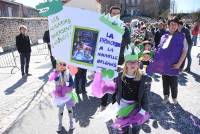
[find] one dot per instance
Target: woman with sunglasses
(62, 94)
(132, 96)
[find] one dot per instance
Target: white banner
(85, 39)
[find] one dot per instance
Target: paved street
(26, 107)
(17, 95)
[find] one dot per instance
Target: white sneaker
(59, 127)
(175, 101)
(166, 99)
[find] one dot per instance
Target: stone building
(14, 9)
(151, 8)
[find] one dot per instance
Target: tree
(173, 6)
(196, 16)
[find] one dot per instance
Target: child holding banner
(132, 96)
(62, 94)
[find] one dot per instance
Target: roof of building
(16, 3)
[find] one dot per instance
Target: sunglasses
(62, 64)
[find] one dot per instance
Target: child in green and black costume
(145, 60)
(147, 46)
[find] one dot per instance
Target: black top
(158, 36)
(143, 91)
(145, 62)
(130, 89)
(46, 37)
(23, 43)
(126, 39)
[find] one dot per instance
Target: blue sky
(187, 5)
(182, 5)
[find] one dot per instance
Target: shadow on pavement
(182, 79)
(45, 77)
(170, 116)
(156, 77)
(12, 89)
(85, 109)
(195, 76)
(37, 94)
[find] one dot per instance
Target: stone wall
(9, 28)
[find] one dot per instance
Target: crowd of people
(146, 48)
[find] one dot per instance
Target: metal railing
(39, 49)
(8, 58)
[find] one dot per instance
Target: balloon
(73, 70)
(110, 73)
(104, 72)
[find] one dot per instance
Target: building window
(127, 2)
(10, 12)
(0, 12)
(136, 2)
(133, 2)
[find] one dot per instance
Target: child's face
(147, 47)
(61, 66)
(132, 66)
(146, 57)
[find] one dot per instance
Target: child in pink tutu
(62, 94)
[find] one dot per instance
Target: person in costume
(147, 46)
(145, 60)
(62, 94)
(139, 45)
(168, 59)
(132, 96)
